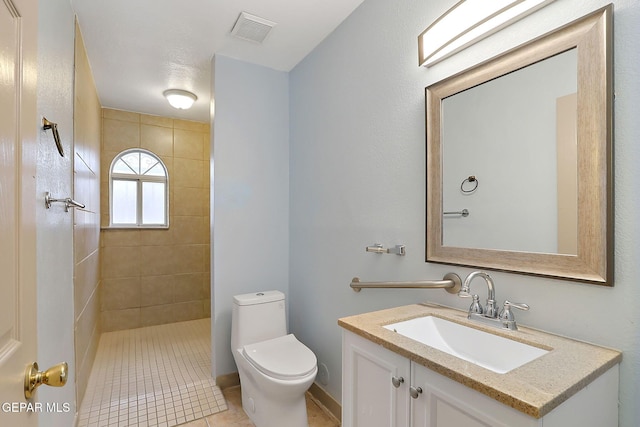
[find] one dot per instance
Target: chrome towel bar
(450, 282)
(464, 213)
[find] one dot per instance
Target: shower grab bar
(450, 282)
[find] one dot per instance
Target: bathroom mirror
(519, 158)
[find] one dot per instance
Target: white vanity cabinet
(369, 395)
(378, 385)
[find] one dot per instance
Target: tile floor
(154, 376)
(235, 416)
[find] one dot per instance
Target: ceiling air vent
(252, 28)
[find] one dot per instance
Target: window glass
(124, 202)
(153, 203)
(139, 193)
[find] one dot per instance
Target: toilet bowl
(275, 368)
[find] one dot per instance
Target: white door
(18, 125)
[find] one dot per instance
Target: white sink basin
(490, 351)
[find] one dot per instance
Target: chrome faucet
(490, 315)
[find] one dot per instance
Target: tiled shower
(156, 276)
(146, 278)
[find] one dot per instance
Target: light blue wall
(356, 168)
(250, 170)
(358, 177)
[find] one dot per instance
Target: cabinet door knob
(415, 391)
(396, 381)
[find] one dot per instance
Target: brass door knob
(55, 376)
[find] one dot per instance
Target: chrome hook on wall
(68, 202)
(46, 125)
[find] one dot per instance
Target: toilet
(275, 368)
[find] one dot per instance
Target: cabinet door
(370, 399)
(446, 403)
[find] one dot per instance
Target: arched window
(138, 190)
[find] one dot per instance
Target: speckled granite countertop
(535, 388)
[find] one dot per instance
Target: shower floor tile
(158, 376)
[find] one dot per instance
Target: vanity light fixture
(180, 99)
(467, 22)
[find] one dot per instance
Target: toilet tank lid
(258, 298)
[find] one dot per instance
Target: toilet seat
(283, 358)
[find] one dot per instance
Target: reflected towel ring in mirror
(471, 186)
(46, 124)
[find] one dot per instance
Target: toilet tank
(257, 317)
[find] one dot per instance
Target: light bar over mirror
(468, 22)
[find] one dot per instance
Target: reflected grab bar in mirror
(463, 213)
(450, 282)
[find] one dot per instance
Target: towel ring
(471, 180)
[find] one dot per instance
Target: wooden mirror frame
(592, 36)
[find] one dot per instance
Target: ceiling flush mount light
(467, 22)
(180, 99)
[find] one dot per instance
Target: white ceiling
(140, 48)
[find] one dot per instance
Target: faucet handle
(506, 313)
(518, 305)
(476, 307)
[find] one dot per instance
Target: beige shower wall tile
(158, 260)
(120, 261)
(126, 116)
(86, 324)
(156, 139)
(118, 135)
(159, 237)
(156, 120)
(206, 286)
(188, 287)
(188, 311)
(206, 196)
(189, 229)
(207, 145)
(188, 201)
(84, 365)
(156, 290)
(169, 313)
(191, 125)
(187, 173)
(207, 257)
(87, 279)
(118, 237)
(188, 144)
(206, 172)
(105, 166)
(189, 258)
(104, 220)
(86, 233)
(120, 293)
(117, 320)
